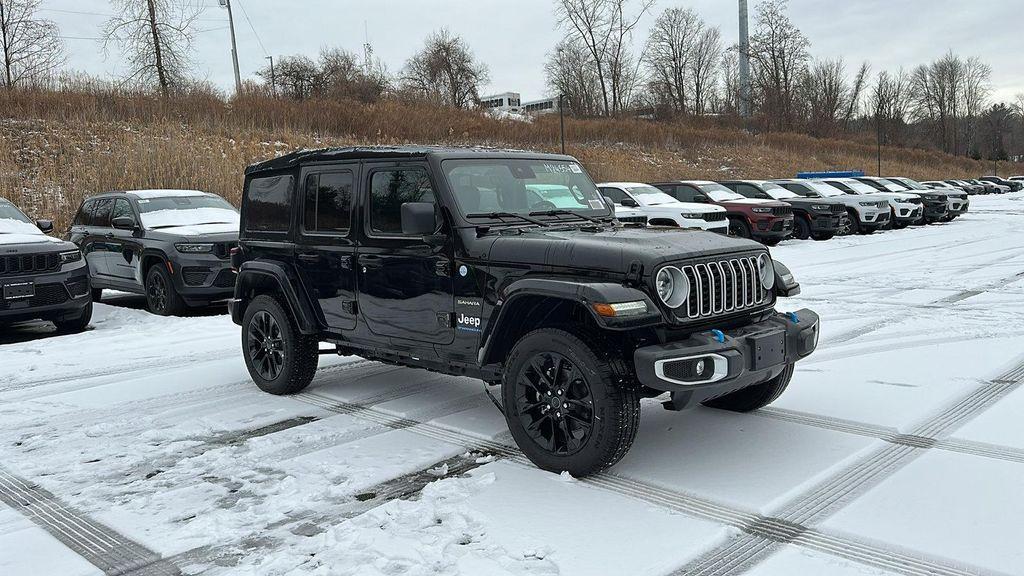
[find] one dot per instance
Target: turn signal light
(621, 309)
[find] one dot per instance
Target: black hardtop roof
(299, 157)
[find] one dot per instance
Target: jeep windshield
(719, 193)
(14, 221)
(487, 187)
(173, 211)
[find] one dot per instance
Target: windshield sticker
(575, 168)
(596, 204)
(142, 201)
(562, 168)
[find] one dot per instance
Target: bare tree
(826, 92)
(604, 27)
(156, 37)
(891, 102)
(571, 72)
(668, 54)
(31, 46)
(445, 71)
(730, 97)
(707, 52)
(296, 76)
(778, 54)
(860, 81)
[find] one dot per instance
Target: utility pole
(744, 62)
(561, 121)
(273, 79)
(878, 136)
(234, 47)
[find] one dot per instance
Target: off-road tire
(614, 390)
(171, 304)
(801, 228)
(739, 228)
(754, 397)
(97, 293)
(301, 351)
(823, 236)
(78, 324)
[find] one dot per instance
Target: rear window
(84, 216)
(268, 204)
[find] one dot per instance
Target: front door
(125, 256)
(325, 250)
(405, 283)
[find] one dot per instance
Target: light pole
(561, 122)
(744, 62)
(273, 80)
(878, 136)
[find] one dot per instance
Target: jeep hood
(612, 250)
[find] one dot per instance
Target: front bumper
(737, 359)
(772, 227)
(935, 211)
(203, 278)
(957, 207)
(907, 213)
(873, 216)
(827, 223)
(58, 296)
(720, 226)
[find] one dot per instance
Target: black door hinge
(444, 319)
(442, 268)
(635, 274)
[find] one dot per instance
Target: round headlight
(766, 270)
(672, 285)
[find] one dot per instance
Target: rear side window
(327, 202)
(268, 204)
(84, 216)
(101, 212)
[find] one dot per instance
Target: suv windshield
(778, 192)
(522, 186)
(169, 211)
(823, 189)
(719, 193)
(858, 187)
(650, 196)
(14, 221)
(912, 184)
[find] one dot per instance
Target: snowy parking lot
(142, 447)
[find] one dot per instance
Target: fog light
(692, 370)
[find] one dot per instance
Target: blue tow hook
(719, 335)
(793, 317)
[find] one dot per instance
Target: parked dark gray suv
(41, 277)
(171, 245)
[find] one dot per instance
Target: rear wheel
(76, 325)
(161, 296)
(756, 396)
(280, 359)
(738, 227)
(571, 406)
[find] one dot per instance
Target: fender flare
(261, 271)
(582, 292)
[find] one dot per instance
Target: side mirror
(418, 218)
(123, 223)
(629, 203)
(45, 225)
(701, 199)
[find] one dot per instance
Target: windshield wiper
(561, 211)
(507, 215)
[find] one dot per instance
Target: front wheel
(801, 228)
(854, 220)
(738, 228)
(823, 236)
(76, 325)
(756, 396)
(162, 297)
(280, 359)
(568, 408)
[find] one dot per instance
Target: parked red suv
(767, 221)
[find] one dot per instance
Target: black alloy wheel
(801, 228)
(738, 228)
(156, 293)
(265, 344)
(554, 403)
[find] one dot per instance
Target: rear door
(325, 249)
(405, 284)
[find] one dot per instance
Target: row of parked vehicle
(507, 266)
(819, 208)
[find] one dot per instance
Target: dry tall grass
(58, 146)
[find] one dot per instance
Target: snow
(17, 232)
(151, 426)
(192, 221)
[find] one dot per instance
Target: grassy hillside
(57, 147)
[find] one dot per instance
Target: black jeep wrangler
(41, 277)
(435, 258)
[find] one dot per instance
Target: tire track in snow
(103, 547)
(826, 497)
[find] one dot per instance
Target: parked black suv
(41, 277)
(171, 245)
(1014, 185)
(818, 218)
(435, 258)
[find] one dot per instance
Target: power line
(112, 15)
(254, 33)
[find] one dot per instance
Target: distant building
(506, 101)
(542, 106)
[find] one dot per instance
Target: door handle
(309, 257)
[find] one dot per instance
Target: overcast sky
(513, 37)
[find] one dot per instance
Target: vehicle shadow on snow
(138, 302)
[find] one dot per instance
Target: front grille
(782, 211)
(916, 200)
(722, 287)
(633, 219)
(195, 275)
(46, 295)
(882, 217)
(935, 200)
(222, 250)
(714, 216)
(225, 279)
(29, 263)
(78, 287)
(838, 209)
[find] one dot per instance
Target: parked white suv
(861, 211)
(901, 204)
(662, 209)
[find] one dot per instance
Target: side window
(101, 212)
(268, 204)
(749, 191)
(615, 194)
(686, 193)
(391, 188)
(327, 202)
(121, 208)
(84, 216)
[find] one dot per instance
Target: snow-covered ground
(142, 446)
